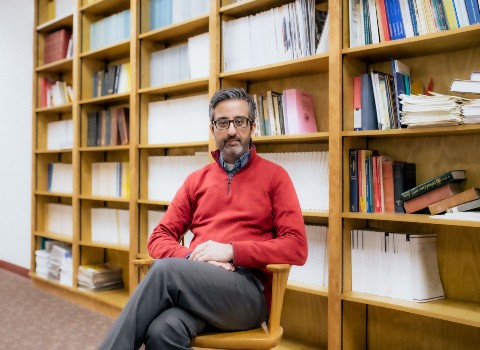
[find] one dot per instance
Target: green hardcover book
(442, 179)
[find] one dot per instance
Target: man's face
(232, 142)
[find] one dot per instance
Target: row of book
(111, 179)
(315, 270)
(60, 134)
(375, 21)
(377, 182)
(111, 226)
(376, 97)
(280, 34)
(108, 127)
(188, 114)
(113, 79)
(309, 174)
(185, 61)
(54, 262)
(54, 92)
(60, 178)
(60, 8)
(166, 12)
(110, 30)
(288, 113)
(396, 265)
(58, 45)
(59, 219)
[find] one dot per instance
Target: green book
(442, 179)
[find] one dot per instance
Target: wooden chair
(259, 338)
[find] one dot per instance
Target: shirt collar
(239, 163)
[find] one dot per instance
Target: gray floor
(31, 318)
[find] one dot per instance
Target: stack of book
(58, 45)
(113, 79)
(99, 277)
(109, 127)
(434, 190)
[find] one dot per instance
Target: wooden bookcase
(313, 318)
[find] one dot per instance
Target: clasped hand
(218, 254)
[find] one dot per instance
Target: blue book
(473, 11)
(395, 21)
(369, 111)
(413, 16)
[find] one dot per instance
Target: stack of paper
(471, 111)
(432, 110)
(42, 257)
(99, 277)
(60, 255)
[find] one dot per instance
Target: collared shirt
(239, 164)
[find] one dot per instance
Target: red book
(56, 45)
(424, 200)
(300, 111)
(388, 193)
(357, 103)
(383, 22)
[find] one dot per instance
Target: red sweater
(257, 212)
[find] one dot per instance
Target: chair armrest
(280, 278)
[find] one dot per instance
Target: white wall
(16, 65)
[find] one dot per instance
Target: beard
(232, 151)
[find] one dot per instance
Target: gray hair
(233, 94)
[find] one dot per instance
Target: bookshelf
(314, 317)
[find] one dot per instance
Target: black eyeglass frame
(231, 121)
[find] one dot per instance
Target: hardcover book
(404, 178)
(460, 198)
(449, 176)
(437, 194)
(475, 204)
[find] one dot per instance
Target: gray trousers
(180, 298)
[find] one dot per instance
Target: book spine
(404, 178)
(427, 186)
(353, 180)
(463, 197)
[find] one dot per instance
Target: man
(244, 214)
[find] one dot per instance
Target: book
(437, 194)
(453, 201)
(357, 103)
(430, 184)
(368, 111)
(300, 116)
(388, 194)
(56, 45)
(475, 204)
(465, 86)
(404, 178)
(473, 11)
(353, 158)
(123, 124)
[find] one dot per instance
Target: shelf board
(55, 236)
(104, 199)
(179, 31)
(315, 214)
(194, 85)
(153, 202)
(105, 148)
(116, 297)
(56, 23)
(104, 6)
(124, 97)
(53, 151)
(55, 109)
(300, 66)
(111, 246)
(306, 138)
(308, 288)
(466, 313)
(61, 66)
(466, 129)
(412, 218)
(53, 194)
(174, 145)
(110, 52)
(250, 7)
(422, 45)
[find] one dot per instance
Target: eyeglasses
(224, 123)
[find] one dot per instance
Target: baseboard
(14, 268)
